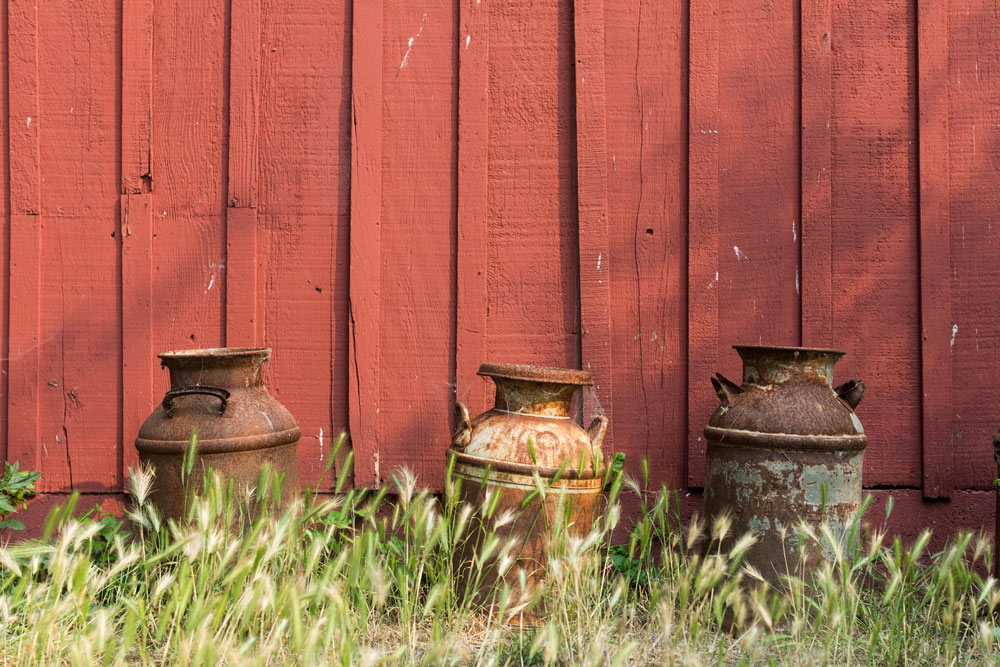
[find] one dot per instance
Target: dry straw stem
(354, 579)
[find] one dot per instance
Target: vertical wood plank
(137, 320)
(875, 230)
(243, 321)
(4, 238)
(937, 328)
(973, 93)
(23, 435)
(592, 203)
(703, 223)
(473, 170)
(137, 95)
(419, 177)
(646, 61)
(303, 204)
(366, 201)
(136, 218)
(532, 240)
(817, 222)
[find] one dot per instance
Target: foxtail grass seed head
(370, 578)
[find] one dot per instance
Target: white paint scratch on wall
(27, 121)
(409, 45)
(797, 281)
(954, 332)
(468, 38)
(599, 261)
(795, 236)
(712, 284)
(739, 253)
(211, 281)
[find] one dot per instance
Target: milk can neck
(214, 369)
(533, 398)
(788, 365)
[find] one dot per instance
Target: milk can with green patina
(785, 448)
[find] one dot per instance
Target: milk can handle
(217, 392)
(851, 392)
(463, 427)
(598, 427)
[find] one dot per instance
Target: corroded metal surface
(784, 447)
(241, 428)
(529, 430)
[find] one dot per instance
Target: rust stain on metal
(528, 431)
(784, 446)
(219, 393)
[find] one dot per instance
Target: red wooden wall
(389, 193)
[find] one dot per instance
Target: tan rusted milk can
(784, 447)
(529, 430)
(241, 428)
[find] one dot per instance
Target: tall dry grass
(357, 579)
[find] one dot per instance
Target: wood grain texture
(646, 166)
(875, 251)
(4, 240)
(703, 228)
(419, 133)
(137, 95)
(303, 217)
(473, 201)
(137, 318)
(592, 203)
(189, 152)
(366, 220)
(23, 432)
(971, 92)
(935, 248)
(244, 326)
(532, 251)
(80, 352)
(817, 205)
(750, 140)
(136, 228)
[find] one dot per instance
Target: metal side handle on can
(851, 392)
(598, 427)
(463, 427)
(725, 388)
(217, 392)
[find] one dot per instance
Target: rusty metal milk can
(220, 394)
(529, 430)
(784, 447)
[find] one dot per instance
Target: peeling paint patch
(954, 332)
(412, 40)
(739, 253)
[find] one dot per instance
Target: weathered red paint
(366, 240)
(592, 200)
(749, 152)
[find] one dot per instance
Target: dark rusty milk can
(493, 455)
(220, 394)
(785, 447)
